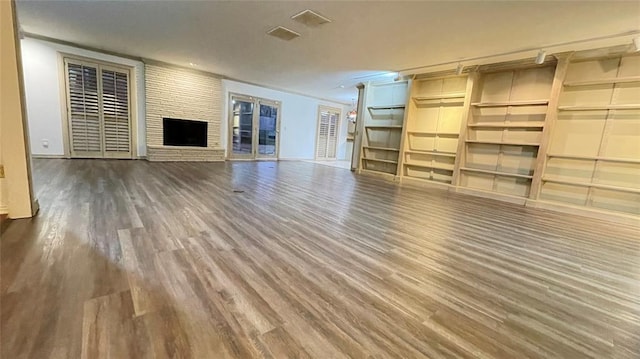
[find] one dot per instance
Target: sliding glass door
(241, 127)
(254, 128)
(268, 129)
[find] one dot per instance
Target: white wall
(299, 119)
(44, 99)
(45, 103)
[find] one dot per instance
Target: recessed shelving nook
(436, 112)
(505, 127)
(383, 124)
(594, 151)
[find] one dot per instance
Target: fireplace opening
(177, 132)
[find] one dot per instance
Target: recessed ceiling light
(341, 86)
(283, 33)
(310, 18)
(192, 64)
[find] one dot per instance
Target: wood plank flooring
(132, 259)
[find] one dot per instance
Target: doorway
(254, 125)
(327, 139)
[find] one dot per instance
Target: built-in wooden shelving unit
(383, 125)
(434, 120)
(504, 130)
(594, 151)
(562, 134)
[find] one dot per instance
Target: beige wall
(4, 208)
(13, 139)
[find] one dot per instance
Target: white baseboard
(295, 159)
(47, 156)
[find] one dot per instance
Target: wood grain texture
(134, 259)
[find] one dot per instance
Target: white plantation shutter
(84, 110)
(327, 134)
(323, 134)
(98, 110)
(115, 105)
(333, 134)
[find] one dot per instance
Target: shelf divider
(433, 133)
(384, 126)
(382, 148)
(506, 143)
(511, 103)
(380, 160)
(438, 167)
(600, 107)
(497, 173)
(508, 125)
(387, 107)
(612, 80)
(432, 153)
(592, 185)
(595, 158)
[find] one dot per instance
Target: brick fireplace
(190, 96)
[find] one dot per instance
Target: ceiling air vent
(310, 18)
(283, 33)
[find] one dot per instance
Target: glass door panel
(242, 127)
(268, 129)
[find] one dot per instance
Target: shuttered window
(84, 110)
(327, 141)
(98, 110)
(115, 104)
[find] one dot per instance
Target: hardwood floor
(132, 259)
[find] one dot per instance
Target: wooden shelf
(438, 167)
(440, 97)
(379, 172)
(498, 173)
(384, 127)
(389, 107)
(594, 185)
(382, 148)
(433, 153)
(596, 158)
(613, 80)
(428, 133)
(599, 107)
(511, 103)
(378, 160)
(508, 125)
(504, 143)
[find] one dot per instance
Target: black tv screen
(177, 132)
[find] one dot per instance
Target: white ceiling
(364, 39)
